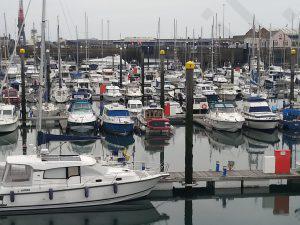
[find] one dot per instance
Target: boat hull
(123, 129)
(7, 128)
(227, 126)
(262, 124)
(109, 98)
(79, 197)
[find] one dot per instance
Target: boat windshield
(6, 112)
(81, 107)
(117, 113)
(260, 109)
(17, 173)
(135, 106)
(224, 107)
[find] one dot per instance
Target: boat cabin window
(73, 171)
(6, 112)
(58, 173)
(17, 173)
(260, 109)
(156, 113)
(135, 106)
(62, 173)
(117, 113)
(81, 107)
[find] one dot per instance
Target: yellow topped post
(293, 51)
(162, 52)
(190, 65)
(22, 51)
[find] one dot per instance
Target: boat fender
(12, 196)
(115, 186)
(86, 192)
(50, 193)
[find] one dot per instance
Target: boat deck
(235, 175)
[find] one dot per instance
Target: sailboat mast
(42, 70)
(212, 46)
(77, 50)
(59, 54)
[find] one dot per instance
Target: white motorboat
(224, 116)
(35, 183)
(258, 114)
(227, 93)
(134, 107)
(133, 92)
(8, 118)
(81, 117)
(112, 94)
(115, 119)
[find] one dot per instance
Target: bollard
(217, 166)
(224, 171)
(143, 166)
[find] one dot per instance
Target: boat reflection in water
(155, 142)
(8, 142)
(117, 146)
(84, 145)
(258, 141)
(222, 140)
(126, 213)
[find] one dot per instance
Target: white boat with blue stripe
(116, 119)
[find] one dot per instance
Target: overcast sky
(140, 17)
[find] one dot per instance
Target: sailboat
(60, 93)
(45, 182)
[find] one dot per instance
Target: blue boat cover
(291, 114)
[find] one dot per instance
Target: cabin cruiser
(133, 92)
(207, 90)
(82, 93)
(116, 119)
(224, 116)
(219, 80)
(173, 108)
(81, 117)
(8, 118)
(11, 96)
(31, 182)
(200, 105)
(112, 94)
(227, 93)
(134, 107)
(258, 114)
(152, 120)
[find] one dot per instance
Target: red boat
(11, 96)
(152, 120)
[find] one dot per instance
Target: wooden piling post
(292, 84)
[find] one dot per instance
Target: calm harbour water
(246, 149)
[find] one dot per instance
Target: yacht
(152, 120)
(81, 117)
(134, 107)
(31, 182)
(8, 118)
(133, 92)
(227, 93)
(224, 116)
(112, 94)
(207, 90)
(116, 119)
(258, 114)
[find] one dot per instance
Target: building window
(285, 43)
(275, 43)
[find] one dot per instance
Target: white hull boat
(8, 118)
(56, 182)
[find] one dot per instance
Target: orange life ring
(204, 106)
